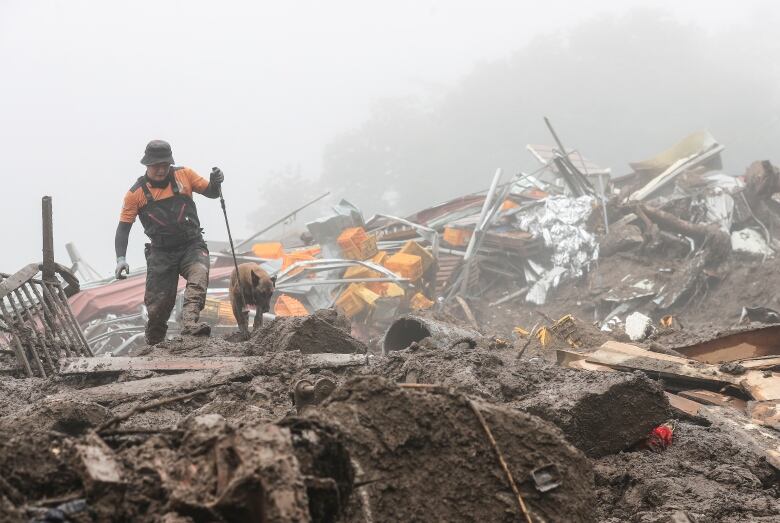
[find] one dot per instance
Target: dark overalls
(177, 248)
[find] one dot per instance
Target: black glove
(216, 177)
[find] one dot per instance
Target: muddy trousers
(163, 267)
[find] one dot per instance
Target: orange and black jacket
(166, 209)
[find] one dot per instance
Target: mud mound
(19, 393)
(706, 475)
(321, 332)
(193, 346)
(427, 457)
(604, 413)
(70, 417)
(36, 462)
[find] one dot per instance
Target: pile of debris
(285, 428)
(651, 242)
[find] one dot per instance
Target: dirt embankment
(373, 451)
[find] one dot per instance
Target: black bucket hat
(157, 151)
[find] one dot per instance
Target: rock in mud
(424, 457)
(602, 413)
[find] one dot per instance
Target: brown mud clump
(420, 453)
(325, 331)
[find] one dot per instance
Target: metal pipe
(281, 220)
(410, 328)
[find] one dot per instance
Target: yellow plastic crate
(349, 304)
(405, 265)
(357, 245)
(412, 247)
(218, 312)
(419, 301)
(358, 272)
(365, 294)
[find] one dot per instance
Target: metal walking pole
(233, 251)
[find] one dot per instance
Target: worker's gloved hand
(216, 177)
(121, 267)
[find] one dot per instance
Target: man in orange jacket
(162, 200)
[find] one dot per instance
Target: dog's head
(262, 288)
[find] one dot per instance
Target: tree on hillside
(618, 89)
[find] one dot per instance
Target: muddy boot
(196, 329)
(155, 334)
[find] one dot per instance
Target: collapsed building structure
(561, 347)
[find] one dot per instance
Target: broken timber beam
(102, 365)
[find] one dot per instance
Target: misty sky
(252, 87)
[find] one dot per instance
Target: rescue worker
(162, 200)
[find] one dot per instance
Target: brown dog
(250, 286)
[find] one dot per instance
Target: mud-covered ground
(381, 452)
(742, 280)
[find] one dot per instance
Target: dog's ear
(273, 280)
(255, 280)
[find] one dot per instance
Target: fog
(393, 105)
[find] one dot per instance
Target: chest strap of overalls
(148, 193)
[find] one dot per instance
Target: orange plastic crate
(412, 247)
(289, 306)
(378, 287)
(405, 265)
(509, 204)
(364, 251)
(352, 237)
(456, 237)
(270, 251)
(294, 257)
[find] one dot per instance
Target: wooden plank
(764, 341)
(761, 363)
(684, 405)
(100, 365)
(18, 279)
(633, 350)
(708, 397)
(663, 365)
(765, 413)
(467, 312)
(130, 390)
(576, 360)
(334, 361)
(762, 385)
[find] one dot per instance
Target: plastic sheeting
(561, 222)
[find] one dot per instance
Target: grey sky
(248, 86)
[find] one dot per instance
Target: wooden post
(48, 240)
